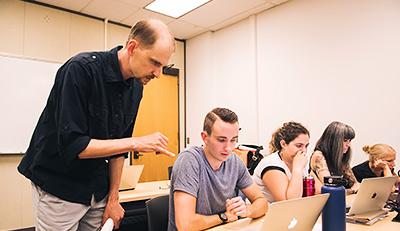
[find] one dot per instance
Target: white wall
(316, 62)
(221, 69)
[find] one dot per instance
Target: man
(205, 180)
(76, 153)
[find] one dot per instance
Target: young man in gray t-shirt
(206, 180)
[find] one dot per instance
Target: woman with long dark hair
(332, 156)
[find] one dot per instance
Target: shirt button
(116, 115)
(93, 56)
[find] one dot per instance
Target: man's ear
(204, 136)
(132, 45)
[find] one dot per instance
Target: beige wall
(33, 31)
(15, 195)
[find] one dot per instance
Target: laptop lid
(372, 194)
(294, 215)
(130, 177)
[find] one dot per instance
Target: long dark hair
(331, 146)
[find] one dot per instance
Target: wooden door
(158, 111)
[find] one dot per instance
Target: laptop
(294, 215)
(130, 177)
(368, 204)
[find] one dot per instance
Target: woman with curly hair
(280, 174)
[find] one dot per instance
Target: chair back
(157, 213)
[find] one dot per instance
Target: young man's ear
(204, 136)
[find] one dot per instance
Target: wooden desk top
(249, 224)
(145, 191)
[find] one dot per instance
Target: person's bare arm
(186, 217)
(279, 185)
(295, 185)
(155, 142)
(113, 208)
(259, 204)
(320, 167)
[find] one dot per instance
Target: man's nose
(157, 72)
(229, 147)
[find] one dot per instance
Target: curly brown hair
(288, 132)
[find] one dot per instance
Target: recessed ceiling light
(175, 8)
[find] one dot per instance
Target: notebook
(367, 206)
(296, 214)
(130, 177)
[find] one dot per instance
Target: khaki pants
(53, 213)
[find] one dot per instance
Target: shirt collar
(113, 70)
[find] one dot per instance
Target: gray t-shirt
(193, 174)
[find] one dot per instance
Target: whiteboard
(24, 87)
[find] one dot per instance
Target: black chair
(170, 172)
(157, 213)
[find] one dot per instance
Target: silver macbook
(370, 199)
(294, 215)
(130, 177)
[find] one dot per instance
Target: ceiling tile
(184, 30)
(211, 16)
(277, 2)
(76, 5)
(219, 10)
(113, 10)
(241, 16)
(145, 14)
(140, 3)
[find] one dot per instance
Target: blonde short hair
(378, 151)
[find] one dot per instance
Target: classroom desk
(248, 224)
(134, 203)
(145, 191)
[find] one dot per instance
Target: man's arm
(186, 217)
(113, 208)
(155, 142)
(259, 204)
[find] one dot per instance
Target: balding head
(150, 31)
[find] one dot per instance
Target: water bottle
(334, 212)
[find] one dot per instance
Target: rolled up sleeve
(72, 112)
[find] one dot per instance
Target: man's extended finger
(165, 152)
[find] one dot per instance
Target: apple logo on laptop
(292, 223)
(374, 195)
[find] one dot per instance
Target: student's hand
(236, 206)
(381, 164)
(299, 161)
(155, 142)
(114, 211)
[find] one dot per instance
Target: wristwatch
(223, 218)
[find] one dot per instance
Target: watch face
(223, 217)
